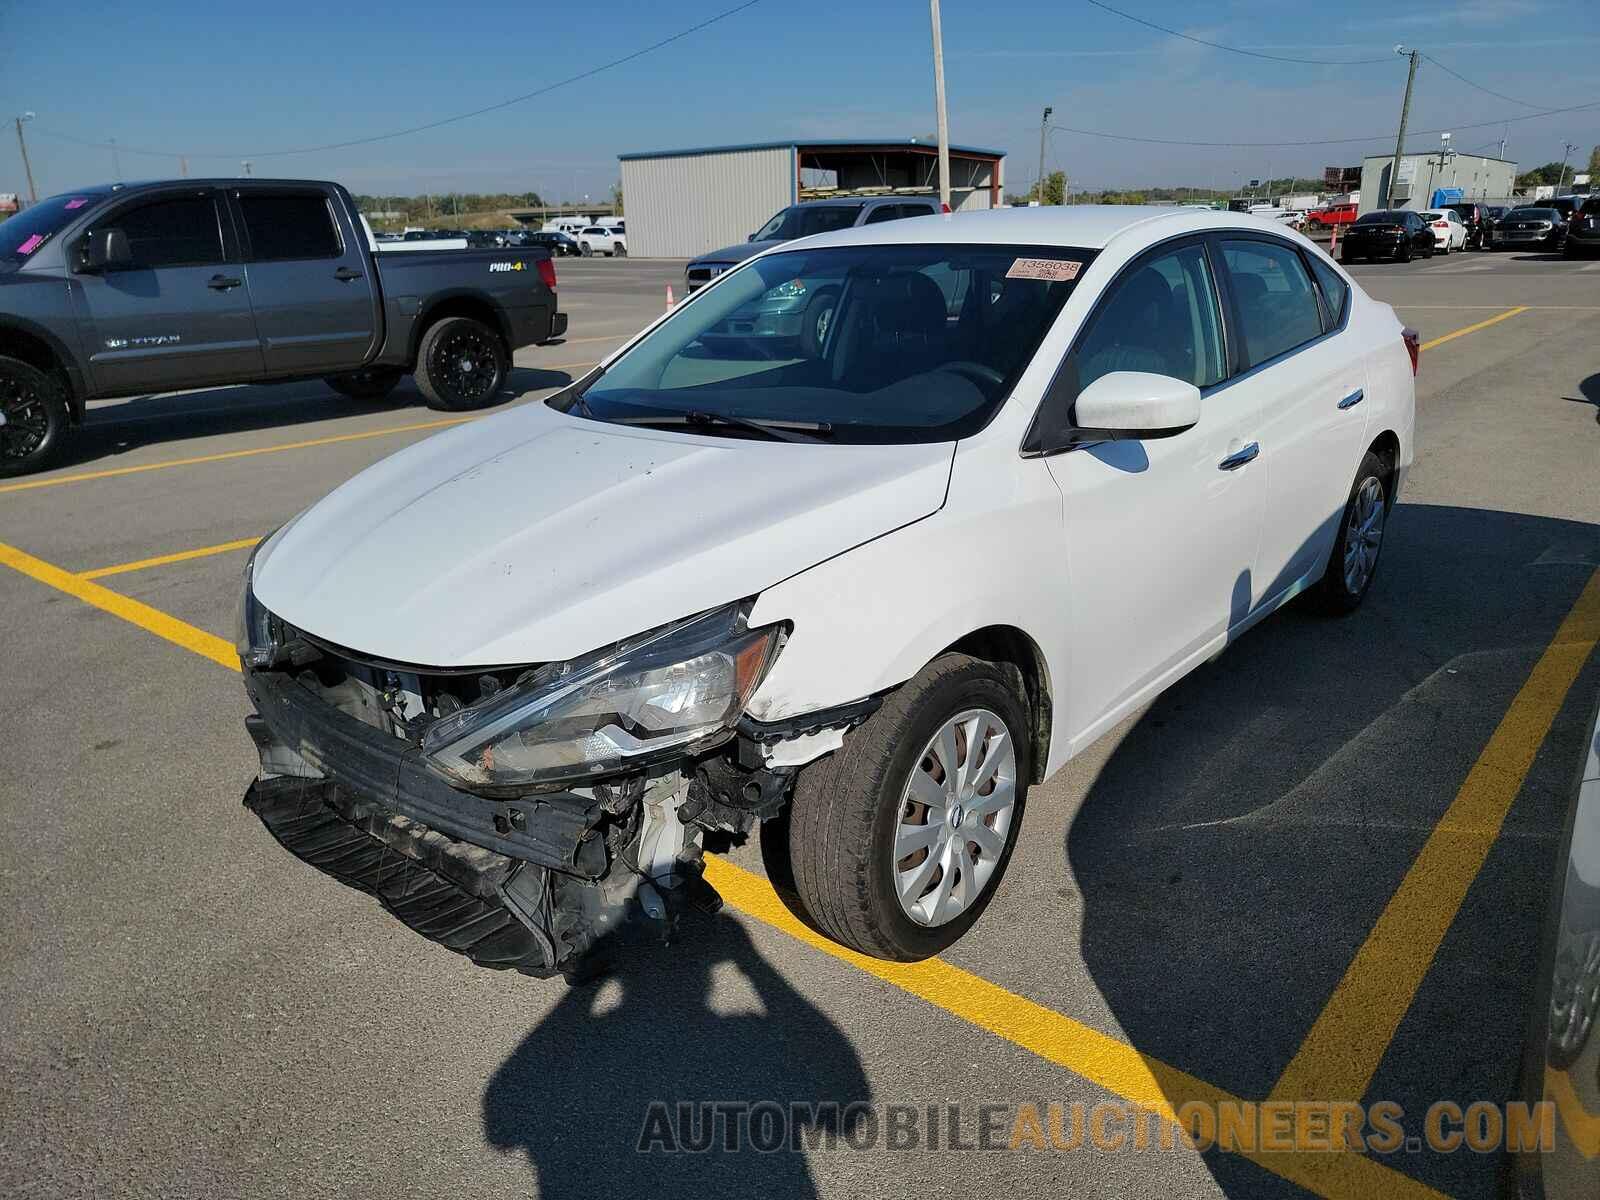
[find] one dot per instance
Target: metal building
(681, 203)
(1423, 177)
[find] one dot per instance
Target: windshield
(22, 235)
(906, 343)
(1379, 218)
(802, 220)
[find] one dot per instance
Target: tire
(621, 252)
(374, 383)
(1342, 590)
(33, 404)
(838, 851)
(816, 321)
(1404, 253)
(448, 384)
(585, 250)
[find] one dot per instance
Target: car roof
(1081, 226)
(840, 201)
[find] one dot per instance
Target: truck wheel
(372, 384)
(898, 841)
(816, 321)
(585, 249)
(621, 252)
(461, 364)
(33, 417)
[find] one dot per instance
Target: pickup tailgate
(514, 285)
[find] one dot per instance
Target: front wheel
(816, 321)
(33, 417)
(895, 844)
(1403, 253)
(1354, 561)
(461, 364)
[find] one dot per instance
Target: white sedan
(599, 239)
(861, 590)
(1448, 231)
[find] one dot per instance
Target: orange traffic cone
(670, 300)
(1334, 244)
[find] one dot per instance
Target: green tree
(616, 197)
(1055, 189)
(1594, 165)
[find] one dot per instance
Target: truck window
(283, 225)
(178, 232)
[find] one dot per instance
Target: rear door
(178, 316)
(310, 281)
(1308, 384)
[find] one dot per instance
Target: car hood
(736, 253)
(534, 536)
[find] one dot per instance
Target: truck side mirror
(104, 250)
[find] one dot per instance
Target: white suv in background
(597, 239)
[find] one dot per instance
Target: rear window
(1379, 218)
(289, 225)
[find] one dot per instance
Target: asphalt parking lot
(1316, 868)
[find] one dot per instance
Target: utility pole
(1405, 115)
(938, 100)
(246, 165)
(183, 166)
(33, 192)
(1044, 124)
(1566, 152)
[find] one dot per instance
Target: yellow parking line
(1450, 337)
(162, 560)
(1108, 1062)
(1342, 1051)
(224, 456)
(152, 620)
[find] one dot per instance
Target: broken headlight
(642, 699)
(252, 627)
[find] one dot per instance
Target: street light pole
(33, 192)
(1044, 123)
(1566, 152)
(938, 99)
(1405, 115)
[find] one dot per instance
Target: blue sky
(245, 80)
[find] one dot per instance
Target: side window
(289, 225)
(886, 212)
(180, 232)
(1334, 289)
(1162, 318)
(1277, 306)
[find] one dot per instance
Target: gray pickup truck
(126, 289)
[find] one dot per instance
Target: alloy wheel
(24, 419)
(1363, 535)
(468, 364)
(955, 817)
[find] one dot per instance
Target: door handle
(1353, 399)
(1239, 457)
(222, 283)
(346, 274)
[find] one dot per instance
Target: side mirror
(104, 250)
(1129, 405)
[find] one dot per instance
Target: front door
(1161, 533)
(310, 282)
(178, 315)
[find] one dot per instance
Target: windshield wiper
(780, 431)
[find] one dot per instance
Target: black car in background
(556, 243)
(1492, 214)
(1535, 226)
(1476, 218)
(1387, 233)
(1583, 232)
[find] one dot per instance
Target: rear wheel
(33, 417)
(1403, 252)
(1354, 561)
(374, 383)
(896, 843)
(461, 364)
(621, 251)
(816, 321)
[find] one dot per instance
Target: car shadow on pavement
(1589, 393)
(170, 417)
(680, 1028)
(1239, 843)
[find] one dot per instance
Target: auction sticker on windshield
(1052, 270)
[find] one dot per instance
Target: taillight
(1441, 224)
(1413, 343)
(547, 273)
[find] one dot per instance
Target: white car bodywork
(538, 535)
(597, 239)
(1448, 231)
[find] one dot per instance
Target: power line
(1376, 137)
(1480, 87)
(477, 112)
(1314, 62)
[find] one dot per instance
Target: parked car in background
(1387, 233)
(1492, 215)
(823, 644)
(1293, 219)
(1475, 217)
(1565, 205)
(1532, 226)
(134, 288)
(1583, 231)
(1448, 231)
(803, 220)
(597, 239)
(1330, 215)
(559, 244)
